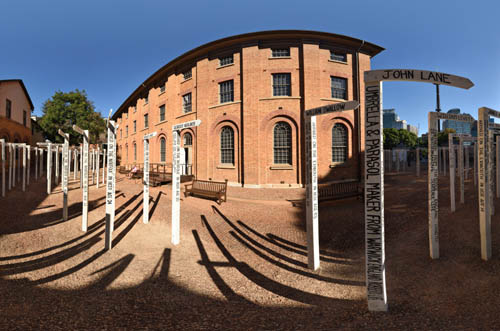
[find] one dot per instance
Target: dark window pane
(339, 88)
(339, 143)
(338, 56)
(163, 149)
(146, 121)
(223, 61)
(280, 52)
(8, 108)
(226, 91)
(227, 145)
(282, 143)
(282, 85)
(162, 113)
(188, 139)
(186, 103)
(188, 74)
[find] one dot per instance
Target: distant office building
(392, 121)
(412, 128)
(459, 127)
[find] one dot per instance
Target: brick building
(15, 111)
(250, 92)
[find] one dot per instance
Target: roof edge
(20, 81)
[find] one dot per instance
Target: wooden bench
(335, 191)
(207, 188)
(338, 191)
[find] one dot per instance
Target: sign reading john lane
(418, 76)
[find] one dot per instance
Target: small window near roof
(146, 100)
(188, 74)
(162, 89)
(280, 52)
(226, 60)
(338, 56)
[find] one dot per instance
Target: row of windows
(282, 144)
(275, 52)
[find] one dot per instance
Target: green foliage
(395, 137)
(391, 138)
(65, 109)
(443, 137)
(407, 138)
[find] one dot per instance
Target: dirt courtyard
(241, 265)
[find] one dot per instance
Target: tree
(67, 108)
(391, 138)
(407, 138)
(443, 136)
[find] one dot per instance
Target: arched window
(227, 145)
(188, 139)
(163, 149)
(135, 152)
(282, 143)
(339, 143)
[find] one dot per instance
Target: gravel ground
(241, 265)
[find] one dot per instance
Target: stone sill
(224, 104)
(335, 61)
(186, 114)
(161, 122)
(333, 99)
(279, 167)
(339, 165)
(186, 80)
(224, 166)
(280, 97)
(279, 57)
(224, 66)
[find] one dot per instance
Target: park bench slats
(208, 189)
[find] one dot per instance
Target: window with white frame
(282, 143)
(339, 143)
(226, 60)
(339, 87)
(338, 56)
(187, 74)
(186, 103)
(227, 145)
(226, 91)
(280, 52)
(282, 84)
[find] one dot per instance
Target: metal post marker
(9, 146)
(36, 163)
(98, 154)
(110, 184)
(24, 167)
(84, 175)
(176, 177)
(75, 163)
(374, 171)
(65, 174)
(145, 208)
(103, 164)
(28, 171)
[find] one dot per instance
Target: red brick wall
(253, 114)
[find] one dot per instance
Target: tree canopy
(64, 109)
(443, 136)
(394, 138)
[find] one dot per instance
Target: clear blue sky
(109, 47)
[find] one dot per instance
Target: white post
(28, 171)
(98, 154)
(49, 168)
(484, 191)
(498, 166)
(36, 163)
(103, 164)
(16, 162)
(41, 162)
(110, 185)
(145, 204)
(2, 141)
(490, 170)
(19, 163)
(451, 150)
(75, 162)
(467, 167)
(433, 182)
(374, 198)
(84, 175)
(176, 192)
(312, 194)
(57, 165)
(9, 146)
(461, 169)
(65, 174)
